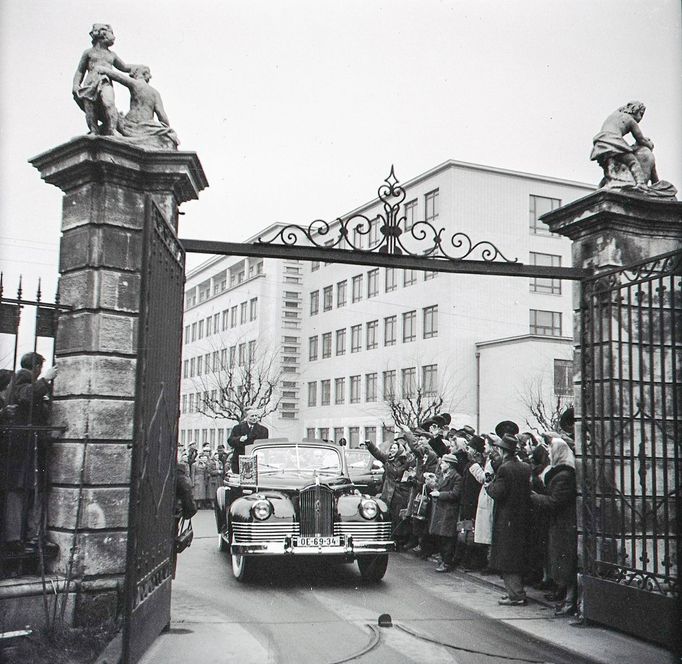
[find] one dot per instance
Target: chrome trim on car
(263, 531)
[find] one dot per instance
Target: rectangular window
(374, 226)
(546, 323)
(372, 334)
(184, 403)
(233, 316)
(371, 434)
(252, 352)
(326, 345)
(223, 359)
(390, 281)
(242, 354)
(200, 365)
(430, 380)
(338, 434)
(371, 387)
(200, 329)
(207, 363)
(192, 368)
(355, 338)
(341, 289)
(327, 298)
(310, 433)
(191, 403)
(216, 361)
(325, 392)
(314, 302)
(409, 326)
(430, 321)
(226, 319)
(314, 266)
(187, 334)
(324, 431)
(353, 436)
(539, 205)
(373, 283)
(253, 308)
(563, 378)
(312, 348)
(355, 389)
(242, 312)
(389, 385)
(233, 355)
(312, 393)
(216, 323)
(209, 326)
(543, 284)
(339, 390)
(430, 274)
(409, 277)
(390, 325)
(194, 331)
(341, 341)
(185, 369)
(357, 288)
(409, 382)
(431, 206)
(410, 214)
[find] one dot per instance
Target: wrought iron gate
(631, 359)
(152, 499)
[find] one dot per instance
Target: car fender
(240, 509)
(348, 506)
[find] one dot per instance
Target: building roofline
(506, 341)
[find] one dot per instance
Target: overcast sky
(297, 109)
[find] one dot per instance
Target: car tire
(373, 568)
(242, 567)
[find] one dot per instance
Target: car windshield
(358, 459)
(298, 459)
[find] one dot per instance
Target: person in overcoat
(510, 489)
(396, 463)
(559, 502)
(445, 499)
(245, 433)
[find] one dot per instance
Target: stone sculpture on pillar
(628, 166)
(93, 91)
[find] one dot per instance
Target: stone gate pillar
(107, 189)
(628, 340)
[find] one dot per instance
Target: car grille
(317, 511)
(262, 532)
(371, 530)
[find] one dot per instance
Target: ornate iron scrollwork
(388, 227)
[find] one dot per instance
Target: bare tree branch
(541, 415)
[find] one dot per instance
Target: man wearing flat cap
(510, 489)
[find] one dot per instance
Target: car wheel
(242, 567)
(373, 568)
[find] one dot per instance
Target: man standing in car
(245, 433)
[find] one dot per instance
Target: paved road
(302, 611)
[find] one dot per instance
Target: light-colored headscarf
(560, 453)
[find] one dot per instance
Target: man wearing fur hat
(434, 426)
(510, 489)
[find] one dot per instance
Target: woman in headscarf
(559, 502)
(445, 498)
(395, 493)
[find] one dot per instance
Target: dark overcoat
(510, 489)
(394, 469)
(253, 432)
(559, 502)
(445, 507)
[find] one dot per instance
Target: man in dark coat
(245, 433)
(27, 451)
(510, 489)
(444, 510)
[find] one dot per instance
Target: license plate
(318, 541)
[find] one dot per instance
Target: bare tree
(543, 413)
(248, 378)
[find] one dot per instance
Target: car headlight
(262, 509)
(369, 508)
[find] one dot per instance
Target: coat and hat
(394, 469)
(506, 426)
(445, 506)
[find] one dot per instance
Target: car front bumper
(349, 548)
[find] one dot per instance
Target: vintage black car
(297, 499)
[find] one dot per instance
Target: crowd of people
(499, 503)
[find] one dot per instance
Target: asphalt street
(308, 611)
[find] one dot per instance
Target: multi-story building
(349, 337)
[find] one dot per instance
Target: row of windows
(200, 436)
(237, 275)
(358, 290)
(351, 434)
(239, 354)
(390, 330)
(245, 312)
(350, 390)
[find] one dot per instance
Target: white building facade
(349, 336)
